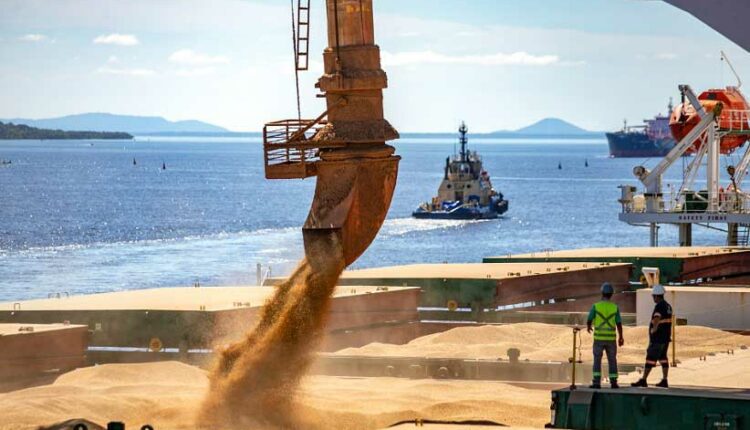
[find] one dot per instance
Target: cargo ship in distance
(466, 190)
(652, 139)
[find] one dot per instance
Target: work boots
(640, 383)
(597, 383)
(663, 384)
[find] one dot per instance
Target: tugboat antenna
(463, 140)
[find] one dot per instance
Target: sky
(497, 64)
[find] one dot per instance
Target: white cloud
(520, 58)
(192, 58)
(126, 72)
(113, 59)
(116, 39)
(33, 38)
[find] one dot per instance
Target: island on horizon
(545, 128)
(10, 131)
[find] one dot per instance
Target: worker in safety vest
(660, 334)
(604, 318)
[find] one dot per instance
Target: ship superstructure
(652, 139)
(466, 189)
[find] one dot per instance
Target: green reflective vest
(604, 322)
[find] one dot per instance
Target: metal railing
(287, 141)
(729, 202)
(734, 121)
(289, 148)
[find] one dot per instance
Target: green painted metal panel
(657, 409)
(670, 268)
(436, 292)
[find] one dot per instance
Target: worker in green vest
(603, 319)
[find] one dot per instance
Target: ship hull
(465, 212)
(623, 145)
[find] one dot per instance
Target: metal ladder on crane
(303, 34)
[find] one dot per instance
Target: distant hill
(552, 126)
(22, 131)
(158, 126)
(126, 123)
(546, 128)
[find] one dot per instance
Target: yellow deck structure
(171, 299)
(200, 317)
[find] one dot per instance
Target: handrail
(303, 130)
(290, 149)
(730, 202)
(265, 276)
(734, 120)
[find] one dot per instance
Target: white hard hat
(658, 290)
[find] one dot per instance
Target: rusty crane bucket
(352, 198)
(345, 147)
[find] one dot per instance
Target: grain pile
(164, 394)
(543, 342)
(374, 403)
(168, 394)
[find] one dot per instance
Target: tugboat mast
(463, 140)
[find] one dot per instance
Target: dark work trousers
(610, 348)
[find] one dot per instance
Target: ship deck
(209, 299)
(190, 317)
(548, 286)
(501, 271)
(677, 264)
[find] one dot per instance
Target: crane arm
(692, 170)
(649, 177)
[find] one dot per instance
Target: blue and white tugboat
(466, 190)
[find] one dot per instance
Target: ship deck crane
(687, 207)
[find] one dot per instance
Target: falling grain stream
(254, 381)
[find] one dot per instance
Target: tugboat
(466, 191)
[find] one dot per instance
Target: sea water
(95, 216)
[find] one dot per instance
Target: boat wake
(404, 226)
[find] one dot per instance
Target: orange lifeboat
(732, 117)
